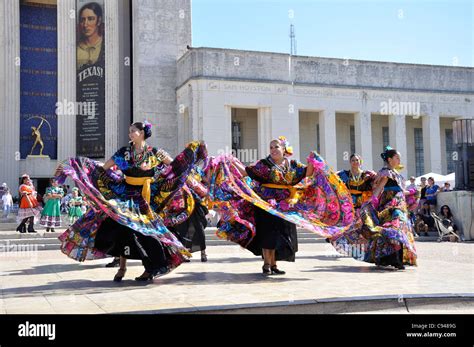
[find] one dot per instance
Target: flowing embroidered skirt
(383, 234)
(120, 218)
(273, 232)
(257, 217)
(191, 232)
(117, 240)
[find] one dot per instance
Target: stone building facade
(230, 98)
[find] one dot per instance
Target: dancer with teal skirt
(75, 206)
(51, 215)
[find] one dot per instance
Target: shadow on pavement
(334, 257)
(232, 260)
(352, 269)
(189, 278)
(73, 287)
(57, 268)
(87, 286)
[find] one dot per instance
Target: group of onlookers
(423, 219)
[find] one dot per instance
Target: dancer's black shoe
(119, 275)
(275, 271)
(149, 276)
(114, 263)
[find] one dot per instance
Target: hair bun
(147, 129)
(386, 149)
(147, 124)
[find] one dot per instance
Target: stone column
(10, 93)
(398, 137)
(112, 77)
(294, 133)
(327, 132)
(185, 115)
(285, 120)
(432, 143)
(66, 76)
(216, 120)
(183, 131)
(196, 116)
(264, 131)
(363, 137)
(189, 110)
(221, 135)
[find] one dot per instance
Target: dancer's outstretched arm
(309, 170)
(240, 167)
(108, 164)
(379, 185)
(167, 160)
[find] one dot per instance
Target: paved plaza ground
(320, 281)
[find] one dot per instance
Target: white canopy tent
(439, 179)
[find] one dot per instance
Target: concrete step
(38, 235)
(42, 236)
(11, 226)
(47, 241)
(11, 241)
(41, 232)
(6, 226)
(11, 248)
(209, 232)
(33, 240)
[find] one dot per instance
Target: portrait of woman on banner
(90, 45)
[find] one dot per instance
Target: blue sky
(412, 31)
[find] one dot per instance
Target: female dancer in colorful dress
(261, 204)
(184, 214)
(75, 206)
(271, 230)
(358, 181)
(51, 215)
(122, 221)
(29, 209)
(386, 235)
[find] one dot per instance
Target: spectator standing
(431, 194)
(7, 201)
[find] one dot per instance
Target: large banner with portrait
(90, 83)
